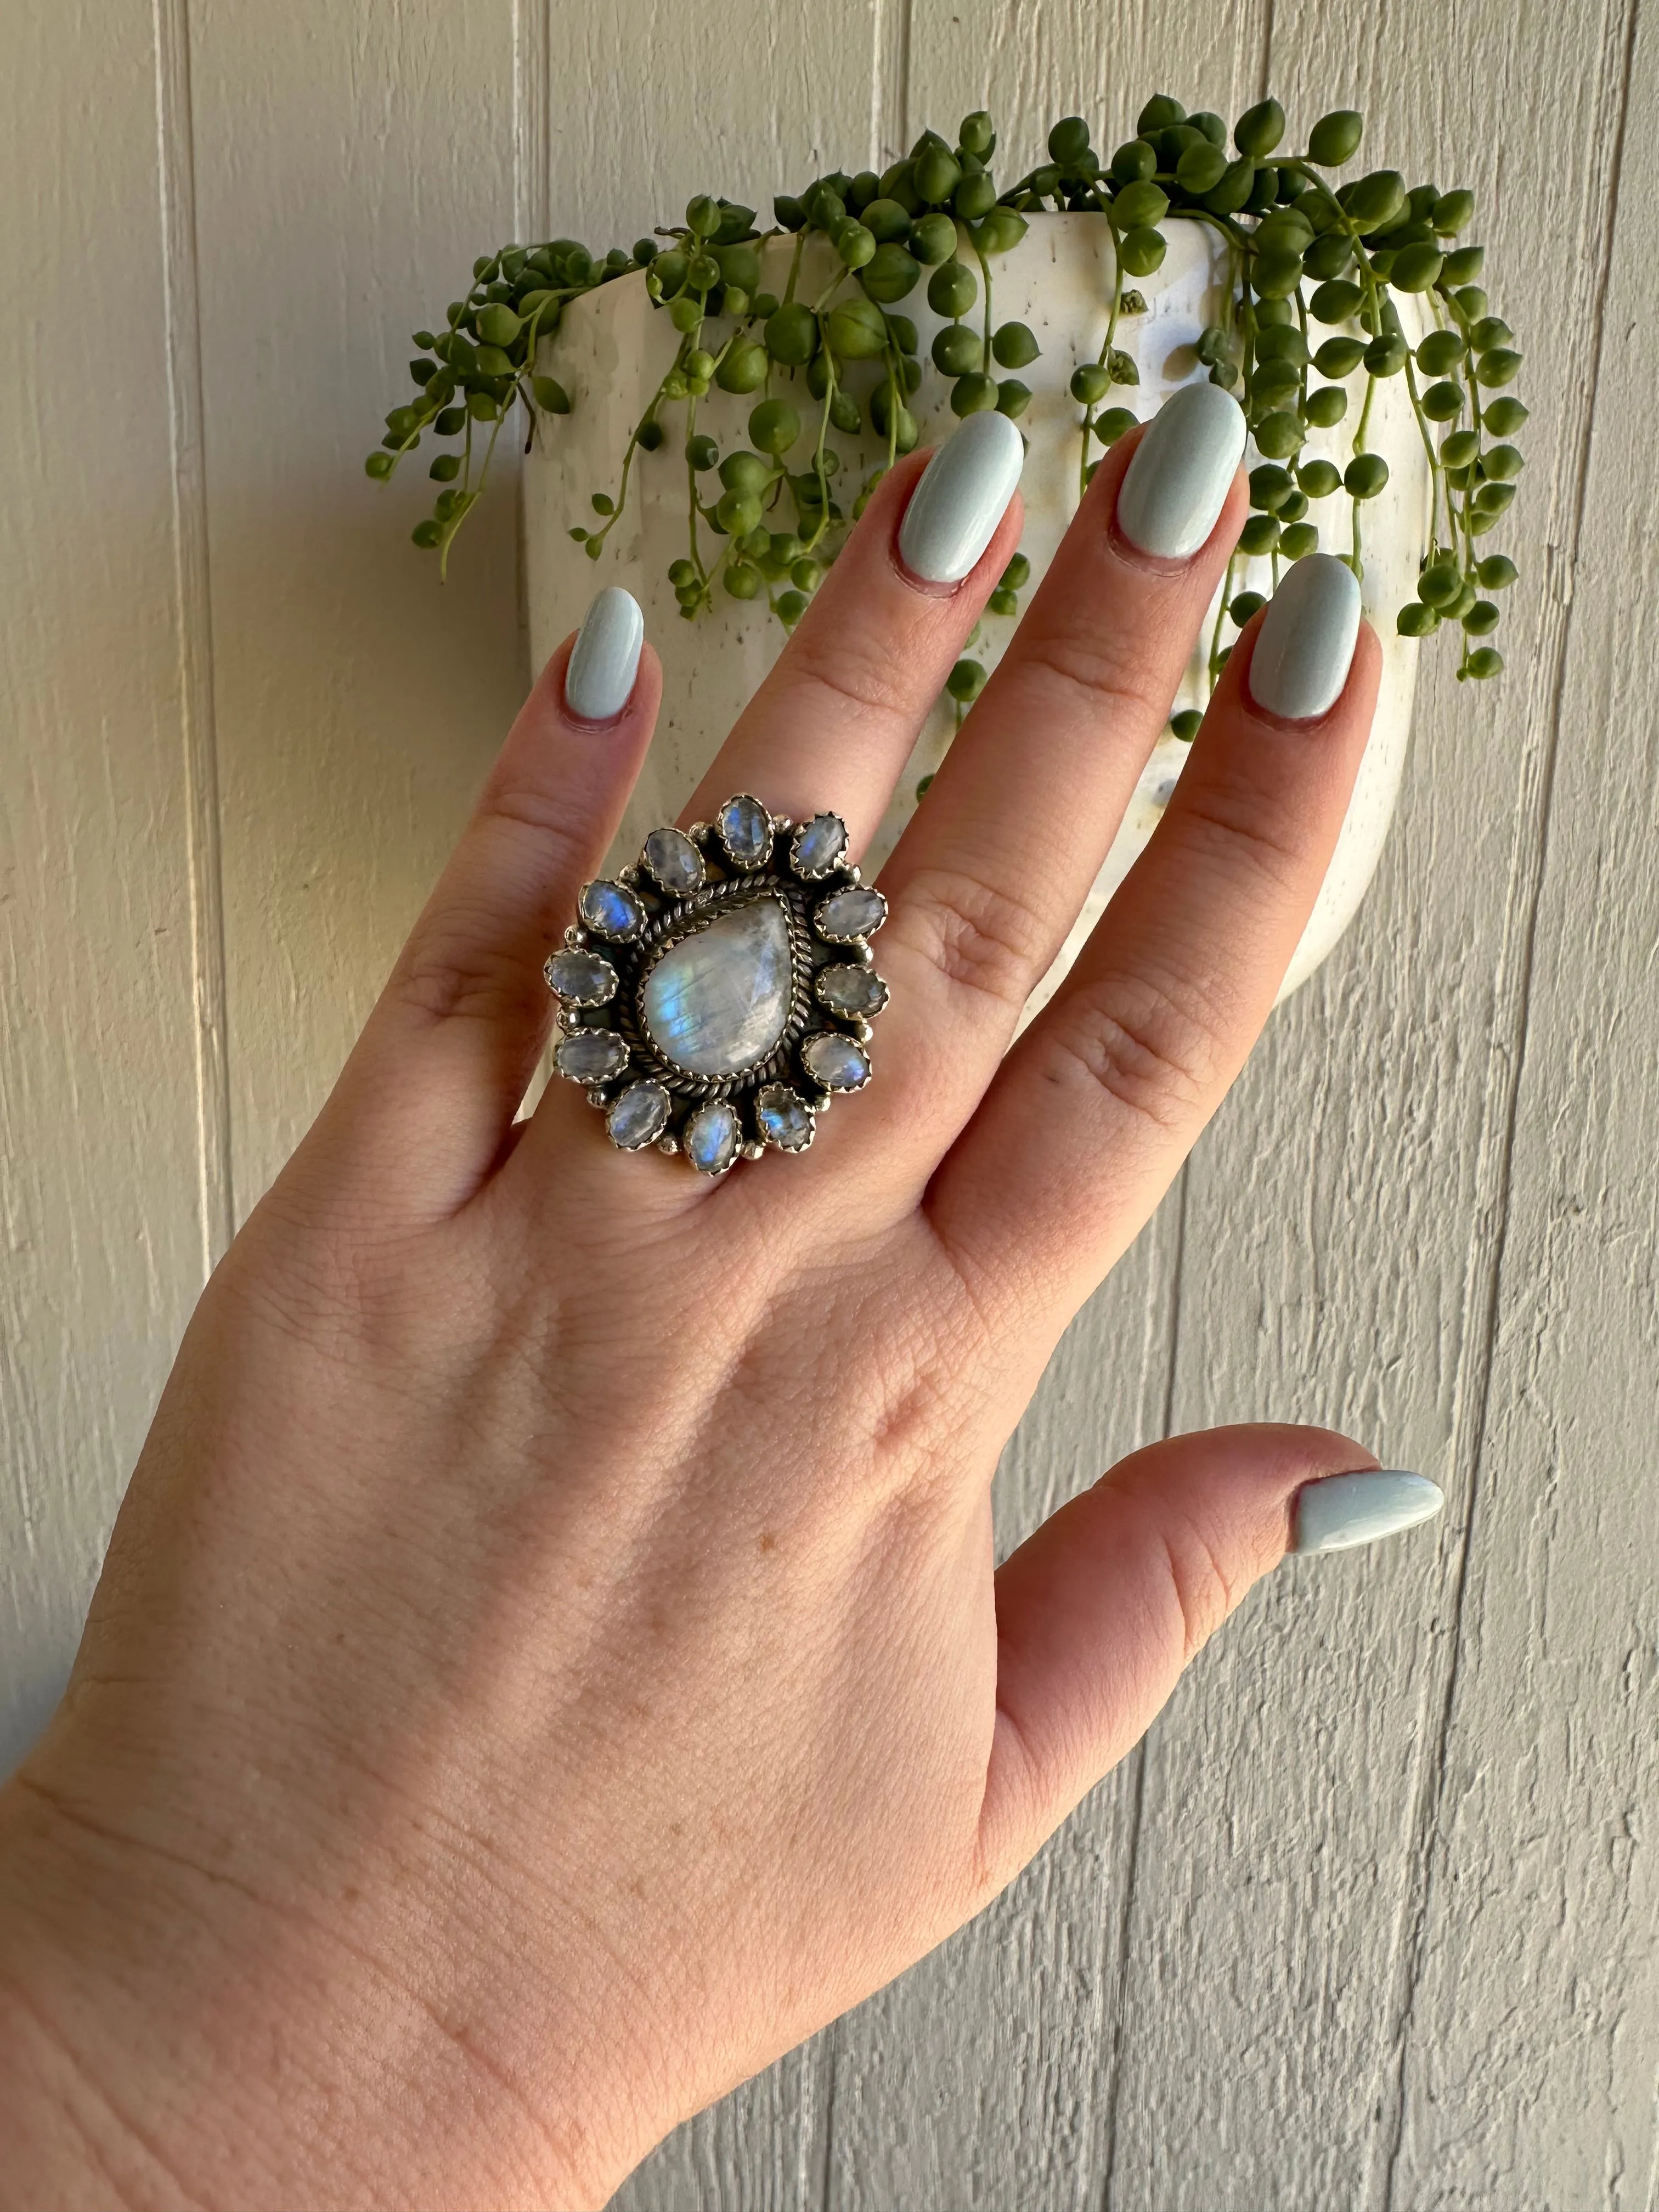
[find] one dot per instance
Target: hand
(549, 1660)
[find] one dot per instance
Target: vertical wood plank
(357, 701)
(988, 2076)
(105, 1216)
(650, 107)
(1526, 2074)
(1345, 1222)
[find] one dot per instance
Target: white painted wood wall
(1369, 1920)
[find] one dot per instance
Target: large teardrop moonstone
(719, 1001)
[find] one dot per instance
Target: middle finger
(991, 873)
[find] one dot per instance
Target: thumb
(1099, 1611)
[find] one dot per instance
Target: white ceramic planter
(613, 350)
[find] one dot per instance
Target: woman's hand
(549, 1660)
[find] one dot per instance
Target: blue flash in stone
(639, 1117)
(818, 844)
(673, 860)
(856, 912)
(581, 977)
(609, 910)
(719, 1001)
(711, 1137)
(838, 1062)
(745, 828)
(783, 1118)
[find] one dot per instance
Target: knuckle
(976, 936)
(452, 974)
(1152, 1048)
(1237, 824)
(1204, 1592)
(848, 674)
(1098, 676)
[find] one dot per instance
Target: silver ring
(716, 995)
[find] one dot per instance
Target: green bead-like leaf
(1503, 417)
(891, 273)
(1278, 436)
(952, 289)
(956, 350)
(1335, 137)
(774, 426)
(1452, 212)
(1142, 251)
(973, 395)
(1014, 345)
(792, 335)
(1139, 205)
(1201, 169)
(856, 330)
(1334, 302)
(1416, 268)
(1260, 129)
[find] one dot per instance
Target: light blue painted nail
(963, 494)
(1344, 1510)
(1304, 647)
(606, 659)
(1177, 483)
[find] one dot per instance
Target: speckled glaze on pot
(612, 350)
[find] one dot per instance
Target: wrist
(171, 2045)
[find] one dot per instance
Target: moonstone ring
(716, 995)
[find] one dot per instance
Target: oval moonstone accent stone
(837, 1061)
(718, 1000)
(591, 1055)
(673, 860)
(581, 977)
(638, 1117)
(818, 844)
(849, 990)
(711, 1138)
(783, 1118)
(745, 828)
(855, 912)
(609, 910)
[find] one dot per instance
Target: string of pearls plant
(1304, 254)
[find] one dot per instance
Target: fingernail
(963, 494)
(1341, 1510)
(604, 661)
(1178, 480)
(1304, 647)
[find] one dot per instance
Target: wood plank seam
(1507, 1064)
(889, 82)
(176, 169)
